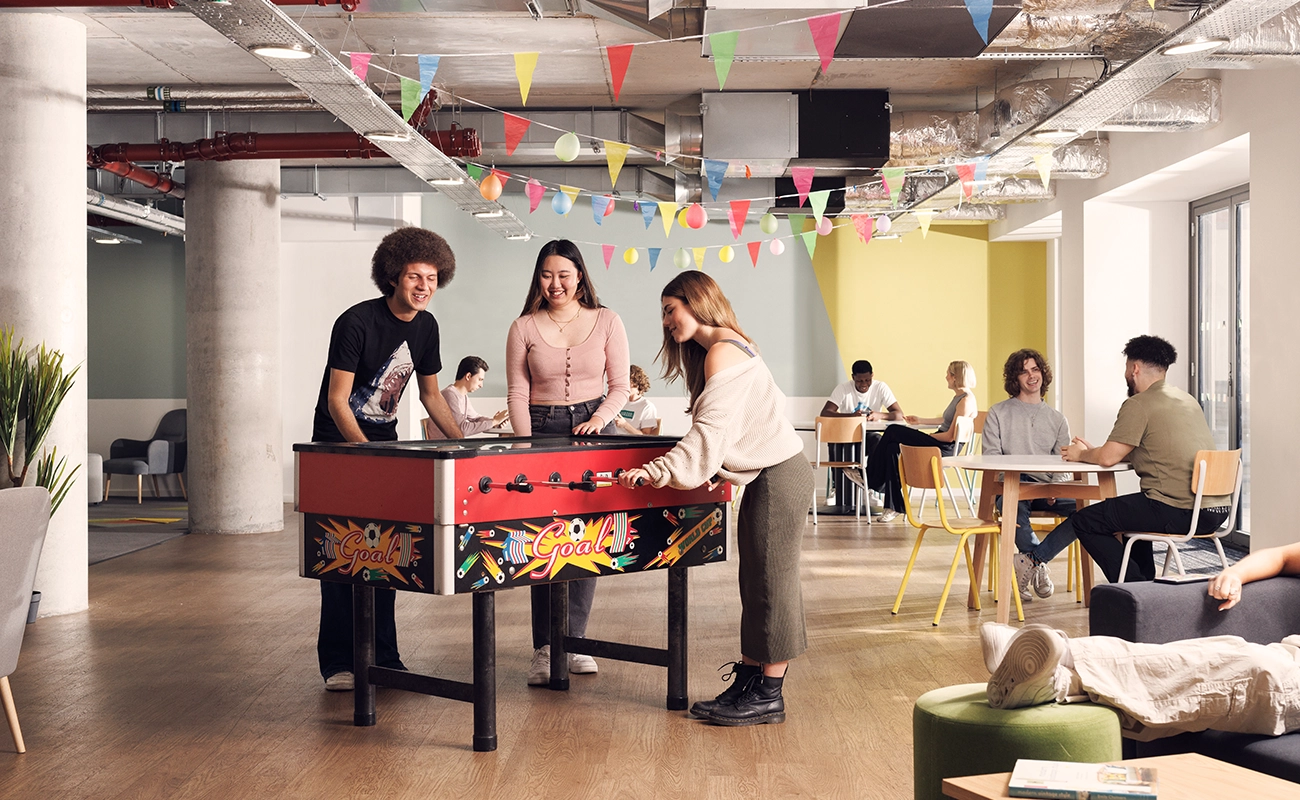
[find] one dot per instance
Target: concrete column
(232, 302)
(43, 259)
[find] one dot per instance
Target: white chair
(841, 430)
(965, 436)
(1214, 473)
(24, 517)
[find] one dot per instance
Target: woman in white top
(469, 379)
(639, 417)
(739, 432)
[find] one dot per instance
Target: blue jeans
(1026, 539)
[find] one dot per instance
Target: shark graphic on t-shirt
(377, 401)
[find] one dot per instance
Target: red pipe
(136, 174)
(347, 5)
(459, 142)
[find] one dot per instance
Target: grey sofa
(1158, 612)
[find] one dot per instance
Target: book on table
(1066, 780)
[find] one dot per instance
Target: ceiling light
(1198, 45)
(1029, 55)
(107, 240)
(886, 236)
(446, 181)
(388, 136)
(519, 237)
(1055, 134)
(290, 51)
(496, 212)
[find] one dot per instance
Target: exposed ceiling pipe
(459, 142)
(346, 5)
(144, 177)
(144, 216)
(200, 106)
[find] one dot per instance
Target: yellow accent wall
(912, 305)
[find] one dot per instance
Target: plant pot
(34, 607)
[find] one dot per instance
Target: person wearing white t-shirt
(639, 416)
(863, 395)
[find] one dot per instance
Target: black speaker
(845, 124)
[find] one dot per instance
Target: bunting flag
(714, 170)
(615, 155)
(723, 46)
(810, 241)
(1152, 3)
(525, 63)
(924, 218)
(668, 211)
(361, 64)
(865, 225)
(619, 56)
(981, 169)
(894, 178)
(818, 202)
(825, 30)
(648, 213)
(598, 205)
(516, 127)
(796, 223)
(608, 251)
(736, 215)
(698, 254)
(803, 177)
(654, 257)
(980, 10)
(1045, 162)
(966, 174)
(754, 247)
(571, 191)
(410, 97)
(475, 172)
(748, 172)
(535, 191)
(502, 176)
(428, 68)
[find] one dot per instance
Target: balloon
(825, 226)
(681, 259)
(631, 255)
(726, 254)
(883, 224)
(777, 247)
(681, 217)
(767, 224)
(696, 216)
(491, 187)
(609, 209)
(567, 147)
(561, 203)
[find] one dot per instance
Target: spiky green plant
(47, 385)
(50, 471)
(33, 384)
(13, 379)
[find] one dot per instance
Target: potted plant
(33, 384)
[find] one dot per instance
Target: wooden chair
(1214, 473)
(921, 467)
(840, 430)
(964, 440)
(26, 515)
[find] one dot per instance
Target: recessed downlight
(496, 212)
(388, 136)
(286, 51)
(1055, 134)
(1201, 44)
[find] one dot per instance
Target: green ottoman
(954, 733)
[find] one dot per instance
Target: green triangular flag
(410, 97)
(894, 178)
(818, 201)
(810, 241)
(796, 223)
(475, 172)
(723, 46)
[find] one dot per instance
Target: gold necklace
(562, 325)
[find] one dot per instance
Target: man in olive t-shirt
(1159, 430)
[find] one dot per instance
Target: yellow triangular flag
(668, 211)
(571, 191)
(615, 153)
(1044, 162)
(925, 218)
(1153, 4)
(698, 252)
(525, 63)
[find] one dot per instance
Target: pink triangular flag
(534, 190)
(361, 64)
(753, 251)
(825, 30)
(608, 250)
(516, 127)
(864, 224)
(619, 56)
(736, 216)
(803, 177)
(966, 174)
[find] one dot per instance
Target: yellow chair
(840, 430)
(920, 467)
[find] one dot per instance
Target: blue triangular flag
(981, 168)
(648, 214)
(654, 255)
(428, 66)
(714, 169)
(599, 203)
(980, 10)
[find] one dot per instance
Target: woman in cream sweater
(739, 433)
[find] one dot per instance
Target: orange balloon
(491, 187)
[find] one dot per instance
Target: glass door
(1220, 370)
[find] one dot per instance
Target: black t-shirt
(381, 352)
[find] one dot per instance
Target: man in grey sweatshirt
(1026, 426)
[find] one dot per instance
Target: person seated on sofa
(1219, 682)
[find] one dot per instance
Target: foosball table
(482, 515)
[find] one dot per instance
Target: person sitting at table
(1023, 425)
(1218, 682)
(639, 417)
(469, 379)
(882, 466)
(1158, 431)
(863, 395)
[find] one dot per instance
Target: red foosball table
(484, 515)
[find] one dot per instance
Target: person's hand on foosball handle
(634, 478)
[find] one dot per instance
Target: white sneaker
(340, 682)
(1027, 674)
(539, 671)
(1042, 581)
(580, 664)
(994, 639)
(1024, 566)
(888, 515)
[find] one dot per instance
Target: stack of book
(1064, 780)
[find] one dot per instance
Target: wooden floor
(194, 675)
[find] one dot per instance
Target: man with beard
(1158, 430)
(374, 349)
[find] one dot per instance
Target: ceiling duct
(927, 137)
(1033, 32)
(684, 135)
(1083, 159)
(1179, 105)
(972, 212)
(758, 130)
(142, 215)
(1018, 190)
(1073, 8)
(329, 82)
(1277, 38)
(872, 196)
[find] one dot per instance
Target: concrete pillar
(232, 302)
(43, 259)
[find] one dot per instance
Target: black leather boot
(739, 676)
(759, 704)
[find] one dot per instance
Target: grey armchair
(24, 518)
(161, 454)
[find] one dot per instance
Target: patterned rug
(120, 525)
(1200, 557)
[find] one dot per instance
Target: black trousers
(882, 463)
(334, 642)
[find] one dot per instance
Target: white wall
(107, 420)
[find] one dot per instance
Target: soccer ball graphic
(371, 536)
(577, 529)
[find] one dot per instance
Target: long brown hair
(586, 294)
(706, 302)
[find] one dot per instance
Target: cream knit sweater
(739, 428)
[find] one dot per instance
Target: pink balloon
(777, 247)
(825, 226)
(696, 216)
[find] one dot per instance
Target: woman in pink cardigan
(560, 354)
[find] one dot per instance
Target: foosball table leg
(363, 654)
(677, 700)
(559, 630)
(485, 672)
